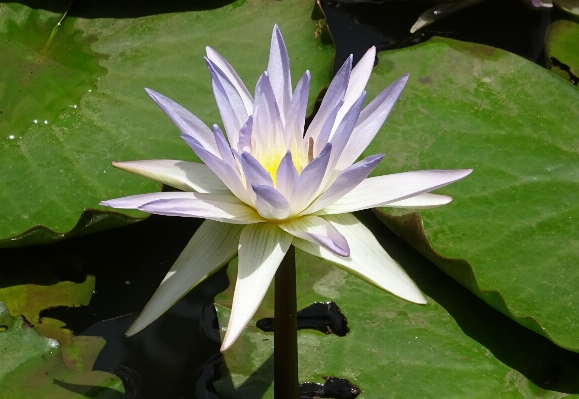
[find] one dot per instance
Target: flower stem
(285, 358)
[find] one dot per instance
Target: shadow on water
(545, 364)
(123, 9)
(164, 360)
(505, 24)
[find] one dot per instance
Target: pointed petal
(358, 80)
(333, 96)
(370, 121)
(223, 147)
(218, 207)
(261, 250)
(187, 176)
(382, 190)
(344, 131)
(244, 144)
(211, 247)
(228, 70)
(345, 183)
(254, 172)
(267, 124)
(286, 175)
(296, 114)
(228, 175)
(278, 69)
(270, 203)
(187, 123)
(367, 259)
(231, 106)
(135, 201)
(318, 231)
(422, 201)
(309, 181)
(326, 131)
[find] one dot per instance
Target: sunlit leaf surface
(456, 346)
(73, 103)
(515, 219)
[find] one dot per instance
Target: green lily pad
(28, 300)
(456, 346)
(510, 235)
(32, 367)
(73, 100)
(561, 49)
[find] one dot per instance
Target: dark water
(176, 357)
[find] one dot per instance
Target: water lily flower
(270, 184)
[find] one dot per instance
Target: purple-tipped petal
(244, 144)
(367, 259)
(358, 79)
(344, 131)
(346, 182)
(308, 183)
(270, 203)
(286, 175)
(278, 69)
(233, 78)
(254, 172)
(216, 207)
(319, 231)
(187, 123)
(135, 201)
(382, 190)
(296, 114)
(267, 124)
(333, 96)
(370, 121)
(231, 106)
(223, 147)
(325, 133)
(230, 177)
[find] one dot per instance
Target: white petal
(233, 78)
(270, 203)
(367, 259)
(358, 80)
(308, 183)
(187, 176)
(135, 201)
(211, 247)
(345, 182)
(261, 250)
(422, 201)
(286, 175)
(186, 122)
(231, 106)
(318, 231)
(382, 190)
(296, 114)
(278, 69)
(218, 207)
(370, 121)
(333, 96)
(228, 175)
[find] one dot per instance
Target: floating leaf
(561, 49)
(510, 235)
(32, 367)
(72, 103)
(456, 346)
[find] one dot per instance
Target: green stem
(285, 358)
